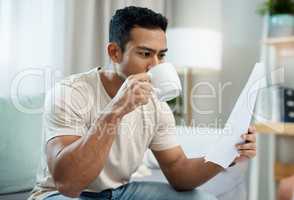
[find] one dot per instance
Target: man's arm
(75, 161)
(183, 173)
(186, 174)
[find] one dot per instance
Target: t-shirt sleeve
(165, 136)
(62, 112)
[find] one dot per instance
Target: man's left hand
(247, 150)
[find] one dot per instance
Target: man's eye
(145, 54)
(161, 56)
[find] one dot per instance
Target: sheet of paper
(223, 151)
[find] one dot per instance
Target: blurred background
(214, 45)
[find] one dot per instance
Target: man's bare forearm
(82, 159)
(191, 173)
(86, 156)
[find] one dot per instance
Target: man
(98, 125)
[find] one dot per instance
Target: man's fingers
(240, 159)
(247, 150)
(246, 146)
(247, 153)
(146, 86)
(142, 88)
(251, 129)
(142, 99)
(140, 77)
(249, 137)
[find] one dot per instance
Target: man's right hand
(135, 91)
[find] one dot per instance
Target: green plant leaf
(274, 7)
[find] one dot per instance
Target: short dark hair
(127, 18)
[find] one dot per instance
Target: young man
(98, 125)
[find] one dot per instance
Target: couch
(21, 123)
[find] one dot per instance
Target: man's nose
(153, 62)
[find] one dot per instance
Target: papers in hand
(223, 152)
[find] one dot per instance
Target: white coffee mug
(165, 80)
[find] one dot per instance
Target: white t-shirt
(71, 108)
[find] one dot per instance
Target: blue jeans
(140, 191)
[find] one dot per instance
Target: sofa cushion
(20, 141)
(15, 196)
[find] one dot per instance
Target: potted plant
(176, 105)
(281, 17)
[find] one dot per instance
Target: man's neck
(111, 82)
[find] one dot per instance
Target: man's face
(146, 48)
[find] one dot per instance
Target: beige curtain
(41, 41)
(86, 31)
(31, 44)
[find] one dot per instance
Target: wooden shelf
(283, 170)
(280, 41)
(278, 128)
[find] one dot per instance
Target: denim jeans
(140, 191)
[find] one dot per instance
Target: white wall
(198, 13)
(241, 28)
(206, 14)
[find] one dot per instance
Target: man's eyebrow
(152, 50)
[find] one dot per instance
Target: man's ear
(114, 52)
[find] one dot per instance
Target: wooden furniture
(282, 170)
(277, 128)
(280, 41)
(280, 50)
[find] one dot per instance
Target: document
(223, 150)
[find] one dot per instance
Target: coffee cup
(165, 81)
